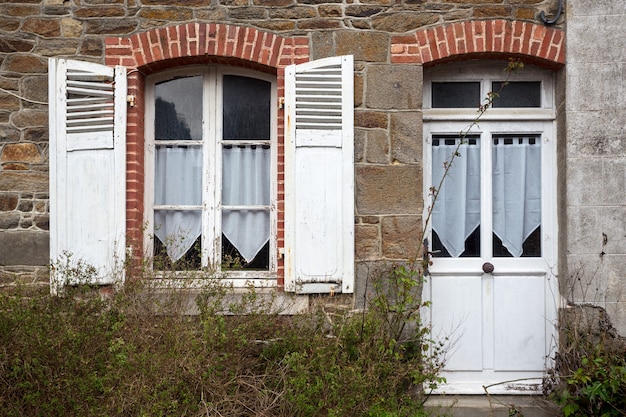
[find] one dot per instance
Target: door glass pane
(456, 94)
(178, 109)
(516, 195)
(456, 211)
(246, 104)
(517, 94)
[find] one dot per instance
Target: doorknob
(487, 268)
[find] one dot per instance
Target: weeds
(136, 353)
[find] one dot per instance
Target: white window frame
(212, 163)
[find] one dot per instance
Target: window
(490, 204)
(210, 136)
(210, 173)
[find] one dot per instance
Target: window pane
(517, 94)
(178, 109)
(456, 94)
(245, 182)
(456, 212)
(246, 109)
(516, 194)
(178, 175)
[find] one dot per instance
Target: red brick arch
(481, 39)
(157, 49)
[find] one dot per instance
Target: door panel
(459, 320)
(519, 316)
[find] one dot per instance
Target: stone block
(24, 63)
(72, 28)
(9, 220)
(322, 45)
(292, 13)
(21, 152)
(48, 28)
(367, 242)
(584, 230)
(9, 102)
(393, 87)
(11, 45)
(598, 86)
(377, 148)
(92, 47)
(614, 227)
(169, 14)
(583, 179)
(596, 134)
(365, 46)
(30, 118)
(35, 87)
(403, 22)
(614, 181)
(371, 119)
(586, 35)
(9, 134)
(401, 237)
(360, 139)
(25, 248)
(406, 137)
(8, 202)
(23, 181)
(110, 27)
(388, 190)
(9, 25)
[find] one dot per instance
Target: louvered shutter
(87, 104)
(319, 176)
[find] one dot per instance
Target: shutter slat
(90, 92)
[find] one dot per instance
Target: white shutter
(319, 176)
(87, 104)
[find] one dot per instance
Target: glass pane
(246, 108)
(178, 175)
(456, 211)
(246, 175)
(517, 94)
(516, 195)
(191, 260)
(244, 235)
(456, 94)
(178, 109)
(232, 259)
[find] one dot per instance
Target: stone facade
(392, 41)
(595, 192)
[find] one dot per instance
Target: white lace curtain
(516, 192)
(245, 182)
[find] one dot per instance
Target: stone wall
(596, 157)
(388, 97)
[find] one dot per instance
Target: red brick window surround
(482, 39)
(155, 50)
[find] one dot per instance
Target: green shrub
(136, 353)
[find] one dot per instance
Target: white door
(492, 282)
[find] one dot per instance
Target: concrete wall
(596, 157)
